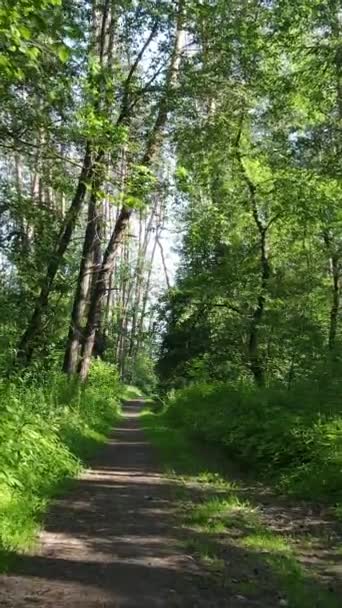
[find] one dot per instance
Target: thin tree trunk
(153, 144)
(88, 263)
(167, 279)
(336, 294)
(334, 257)
(27, 341)
(138, 276)
(144, 303)
(24, 224)
(255, 361)
(335, 305)
(125, 297)
(148, 278)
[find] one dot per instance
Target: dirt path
(113, 540)
(120, 539)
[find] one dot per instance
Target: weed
(226, 523)
(46, 432)
(292, 437)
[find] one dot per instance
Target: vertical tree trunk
(138, 277)
(153, 144)
(335, 305)
(140, 330)
(167, 279)
(24, 224)
(255, 361)
(126, 287)
(335, 273)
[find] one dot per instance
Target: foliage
(294, 437)
(47, 429)
(257, 292)
(226, 515)
(130, 392)
(230, 111)
(142, 373)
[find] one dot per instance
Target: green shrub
(294, 436)
(46, 429)
(141, 373)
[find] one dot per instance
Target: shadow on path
(112, 540)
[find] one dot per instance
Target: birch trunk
(153, 144)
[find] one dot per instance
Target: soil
(114, 540)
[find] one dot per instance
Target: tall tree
(153, 143)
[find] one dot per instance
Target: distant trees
(241, 103)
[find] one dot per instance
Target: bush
(294, 436)
(46, 430)
(141, 373)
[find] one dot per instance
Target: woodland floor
(118, 538)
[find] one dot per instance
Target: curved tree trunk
(28, 340)
(87, 268)
(256, 363)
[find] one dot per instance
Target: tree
(152, 147)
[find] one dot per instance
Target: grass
(227, 532)
(293, 438)
(129, 391)
(47, 432)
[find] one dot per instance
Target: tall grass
(47, 429)
(294, 436)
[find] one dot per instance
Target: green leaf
(181, 172)
(63, 53)
(33, 52)
(25, 32)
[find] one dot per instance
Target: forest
(170, 220)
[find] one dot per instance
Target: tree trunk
(27, 342)
(137, 279)
(257, 366)
(87, 267)
(336, 295)
(152, 146)
(140, 330)
(335, 305)
(167, 279)
(94, 314)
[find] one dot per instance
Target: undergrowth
(47, 430)
(224, 527)
(131, 392)
(294, 437)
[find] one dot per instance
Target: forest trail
(113, 540)
(117, 539)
